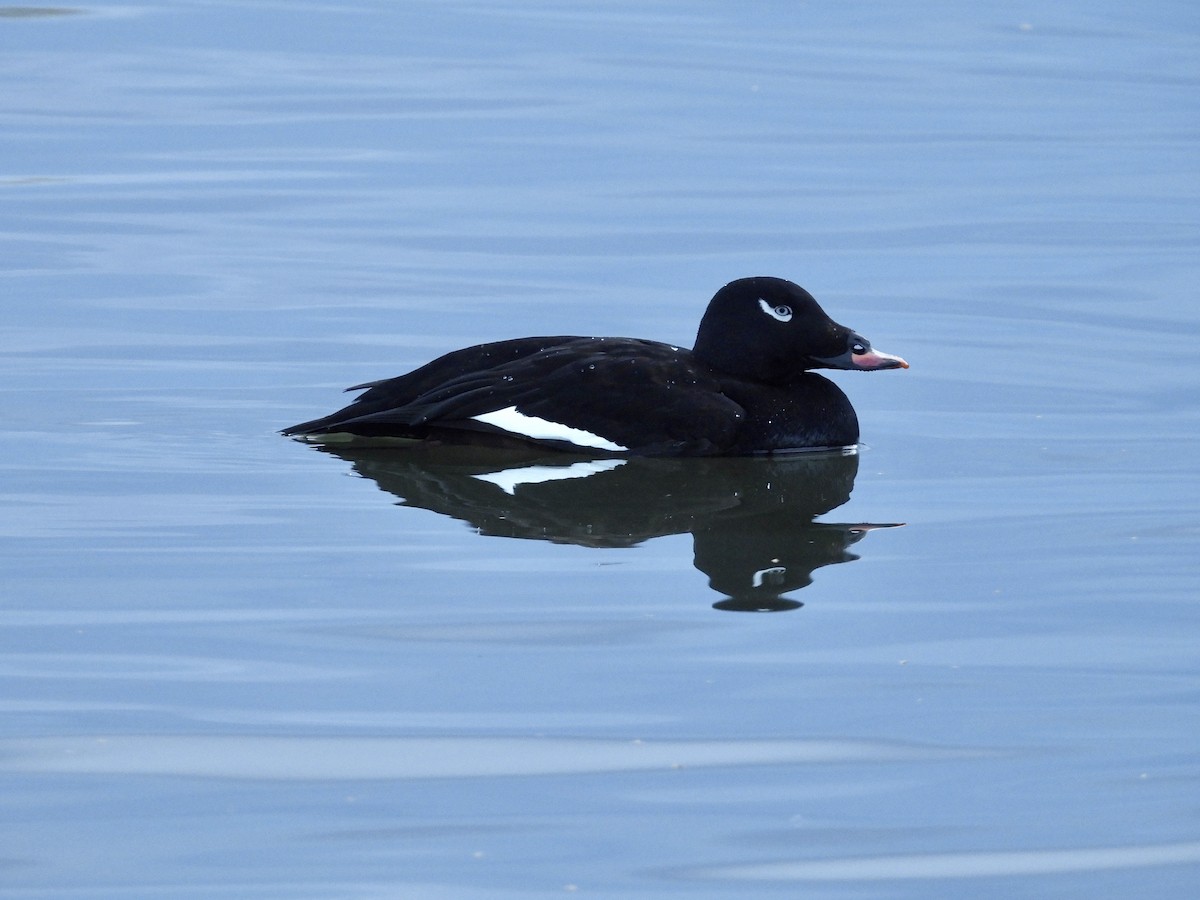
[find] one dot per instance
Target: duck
(745, 388)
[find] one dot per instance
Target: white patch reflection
(510, 479)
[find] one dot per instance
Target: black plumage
(744, 388)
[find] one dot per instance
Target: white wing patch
(509, 480)
(534, 428)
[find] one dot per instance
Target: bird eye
(779, 313)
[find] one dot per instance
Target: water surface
(235, 665)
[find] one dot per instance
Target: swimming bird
(746, 387)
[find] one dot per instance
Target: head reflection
(751, 519)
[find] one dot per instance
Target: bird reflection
(751, 518)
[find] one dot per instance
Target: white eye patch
(778, 313)
(771, 576)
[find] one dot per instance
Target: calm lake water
(238, 666)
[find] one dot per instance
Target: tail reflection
(751, 518)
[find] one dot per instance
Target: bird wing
(387, 399)
(616, 394)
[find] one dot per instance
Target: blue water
(237, 666)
